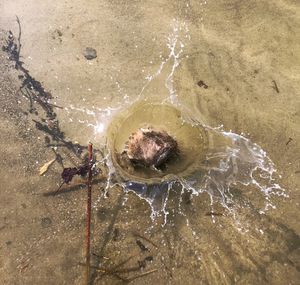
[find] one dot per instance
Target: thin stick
(141, 275)
(19, 41)
(275, 86)
(144, 238)
(88, 214)
(61, 184)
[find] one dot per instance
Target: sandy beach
(233, 64)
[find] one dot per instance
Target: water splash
(175, 43)
(226, 162)
(235, 162)
(231, 160)
(99, 118)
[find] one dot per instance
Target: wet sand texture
(234, 63)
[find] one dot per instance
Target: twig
(275, 86)
(88, 214)
(59, 187)
(73, 187)
(100, 269)
(19, 41)
(115, 268)
(136, 234)
(214, 214)
(141, 275)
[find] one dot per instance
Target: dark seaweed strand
(88, 213)
(35, 92)
(33, 87)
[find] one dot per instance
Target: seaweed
(88, 212)
(34, 91)
(38, 96)
(69, 172)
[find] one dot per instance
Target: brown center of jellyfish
(150, 148)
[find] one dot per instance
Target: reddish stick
(88, 213)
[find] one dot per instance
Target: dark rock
(57, 34)
(141, 245)
(46, 222)
(90, 53)
(149, 258)
(202, 84)
(150, 148)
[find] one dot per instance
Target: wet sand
(247, 54)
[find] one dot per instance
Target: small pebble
(46, 222)
(90, 53)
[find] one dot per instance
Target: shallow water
(210, 161)
(221, 76)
